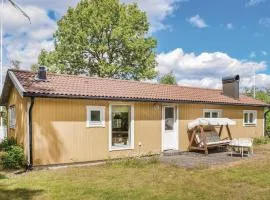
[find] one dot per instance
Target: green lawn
(128, 180)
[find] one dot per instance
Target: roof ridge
(20, 70)
(122, 80)
(115, 89)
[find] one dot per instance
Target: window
(250, 117)
(169, 118)
(122, 127)
(212, 113)
(12, 117)
(95, 116)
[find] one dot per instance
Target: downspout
(7, 121)
(30, 164)
(265, 116)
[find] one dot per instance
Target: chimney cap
(41, 67)
(42, 73)
(230, 79)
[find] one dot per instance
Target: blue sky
(199, 40)
(244, 36)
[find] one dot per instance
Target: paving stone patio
(198, 159)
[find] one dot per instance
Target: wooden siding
(189, 112)
(60, 134)
(20, 130)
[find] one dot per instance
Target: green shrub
(7, 143)
(262, 140)
(267, 133)
(13, 158)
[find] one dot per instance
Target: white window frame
(254, 112)
(12, 116)
(90, 123)
(112, 148)
(219, 111)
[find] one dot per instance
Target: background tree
(103, 38)
(263, 95)
(168, 79)
(34, 67)
(15, 64)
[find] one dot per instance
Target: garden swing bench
(204, 135)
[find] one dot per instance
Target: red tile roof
(72, 86)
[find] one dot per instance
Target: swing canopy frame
(204, 134)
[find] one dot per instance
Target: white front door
(169, 128)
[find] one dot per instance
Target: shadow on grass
(2, 176)
(18, 193)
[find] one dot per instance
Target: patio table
(240, 145)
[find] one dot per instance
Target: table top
(242, 142)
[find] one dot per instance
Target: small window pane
(214, 115)
(246, 117)
(169, 112)
(251, 118)
(117, 123)
(95, 116)
(207, 114)
(12, 116)
(169, 118)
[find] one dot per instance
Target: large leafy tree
(103, 38)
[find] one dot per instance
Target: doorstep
(172, 153)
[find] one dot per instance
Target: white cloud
(252, 54)
(262, 81)
(14, 21)
(265, 22)
(207, 69)
(59, 6)
(157, 11)
(41, 34)
(254, 2)
(25, 40)
(264, 53)
(207, 82)
(229, 26)
(27, 52)
(197, 21)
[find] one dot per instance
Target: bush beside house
(262, 140)
(12, 154)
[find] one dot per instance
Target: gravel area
(200, 160)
